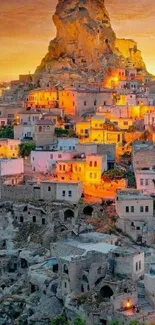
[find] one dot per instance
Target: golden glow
(128, 304)
(25, 36)
(42, 98)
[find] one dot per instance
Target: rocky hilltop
(85, 45)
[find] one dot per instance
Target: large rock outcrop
(85, 45)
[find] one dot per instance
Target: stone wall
(18, 192)
(144, 158)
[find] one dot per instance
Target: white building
(66, 144)
(11, 170)
(134, 204)
(23, 131)
(70, 191)
(45, 160)
(135, 211)
(29, 117)
(145, 181)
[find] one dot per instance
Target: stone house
(11, 171)
(100, 149)
(9, 148)
(44, 161)
(70, 191)
(145, 180)
(23, 132)
(44, 133)
(87, 168)
(29, 117)
(77, 101)
(136, 217)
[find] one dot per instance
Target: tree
(113, 174)
(79, 321)
(64, 133)
(7, 132)
(25, 149)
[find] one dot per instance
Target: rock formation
(85, 45)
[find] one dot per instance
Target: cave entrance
(69, 214)
(106, 292)
(88, 210)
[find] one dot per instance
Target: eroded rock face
(85, 45)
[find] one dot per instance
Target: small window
(91, 175)
(43, 221)
(70, 148)
(21, 219)
(132, 209)
(95, 163)
(141, 182)
(51, 156)
(85, 103)
(127, 209)
(136, 266)
(60, 167)
(147, 209)
(141, 209)
(34, 219)
(59, 156)
(64, 168)
(99, 270)
(49, 189)
(70, 193)
(146, 182)
(63, 193)
(140, 265)
(91, 164)
(65, 284)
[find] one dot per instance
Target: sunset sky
(26, 28)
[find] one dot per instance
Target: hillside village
(77, 189)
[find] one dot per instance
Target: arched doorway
(84, 278)
(88, 210)
(68, 214)
(106, 292)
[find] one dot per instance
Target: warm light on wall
(128, 304)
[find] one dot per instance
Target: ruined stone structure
(85, 45)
